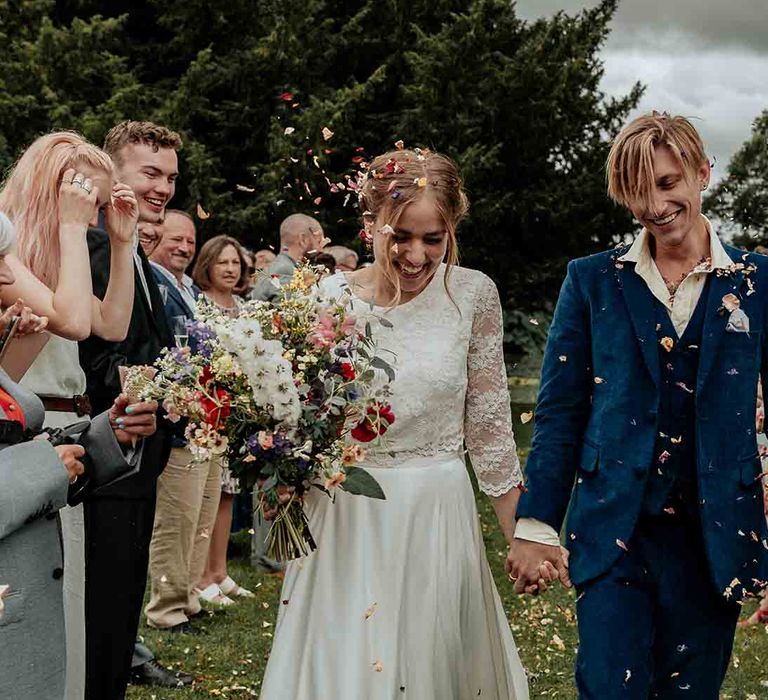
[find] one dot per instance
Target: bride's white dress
(398, 601)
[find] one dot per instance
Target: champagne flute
(180, 331)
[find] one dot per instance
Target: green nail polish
(129, 409)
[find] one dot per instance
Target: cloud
(707, 22)
(698, 58)
(723, 90)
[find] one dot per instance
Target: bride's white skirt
(398, 600)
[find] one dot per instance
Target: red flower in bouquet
(216, 408)
(379, 417)
(348, 371)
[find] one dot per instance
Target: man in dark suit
(645, 433)
(119, 519)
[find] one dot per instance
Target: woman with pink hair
(58, 188)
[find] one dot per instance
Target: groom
(645, 434)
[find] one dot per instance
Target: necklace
(703, 265)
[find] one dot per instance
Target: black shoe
(206, 613)
(152, 673)
(183, 628)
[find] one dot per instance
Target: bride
(398, 599)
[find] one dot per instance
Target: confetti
(664, 456)
(420, 181)
(286, 97)
(370, 611)
(526, 417)
(627, 675)
(599, 380)
(201, 213)
(378, 666)
(288, 130)
(399, 145)
(244, 188)
(563, 358)
(621, 545)
(327, 133)
(731, 302)
(533, 322)
(667, 343)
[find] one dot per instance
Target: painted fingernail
(120, 421)
(129, 409)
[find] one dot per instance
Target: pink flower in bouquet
(172, 411)
(324, 333)
(348, 326)
(378, 419)
(335, 479)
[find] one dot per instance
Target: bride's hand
(284, 496)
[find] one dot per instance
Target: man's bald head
(300, 234)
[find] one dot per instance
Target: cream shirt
(680, 308)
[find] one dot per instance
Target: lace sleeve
(487, 413)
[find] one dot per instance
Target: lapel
(716, 320)
(155, 311)
(640, 306)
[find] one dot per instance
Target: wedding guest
(150, 235)
(321, 258)
(244, 289)
(188, 490)
(119, 519)
(220, 267)
(59, 185)
(645, 433)
(299, 235)
(446, 634)
(346, 258)
(262, 259)
(34, 482)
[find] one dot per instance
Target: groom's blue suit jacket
(596, 418)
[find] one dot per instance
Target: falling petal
(526, 417)
(201, 213)
(327, 133)
(370, 611)
(378, 666)
(288, 130)
(620, 544)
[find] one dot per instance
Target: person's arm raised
(69, 307)
(111, 315)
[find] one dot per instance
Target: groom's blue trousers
(654, 626)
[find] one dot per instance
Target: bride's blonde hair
(30, 196)
(398, 178)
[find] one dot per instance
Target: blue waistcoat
(672, 474)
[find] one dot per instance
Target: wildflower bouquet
(286, 393)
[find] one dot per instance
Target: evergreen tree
(740, 200)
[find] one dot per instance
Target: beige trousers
(188, 496)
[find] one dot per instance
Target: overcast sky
(706, 59)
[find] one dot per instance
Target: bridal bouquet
(286, 393)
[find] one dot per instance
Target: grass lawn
(228, 660)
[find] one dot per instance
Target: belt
(79, 404)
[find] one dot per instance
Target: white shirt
(185, 286)
(680, 307)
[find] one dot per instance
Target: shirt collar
(640, 253)
(186, 280)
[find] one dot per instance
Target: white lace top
(451, 384)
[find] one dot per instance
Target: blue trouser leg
(654, 626)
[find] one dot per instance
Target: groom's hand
(531, 565)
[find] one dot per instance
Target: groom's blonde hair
(629, 170)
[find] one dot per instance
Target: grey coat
(282, 267)
(33, 487)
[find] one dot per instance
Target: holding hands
(532, 566)
(131, 421)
